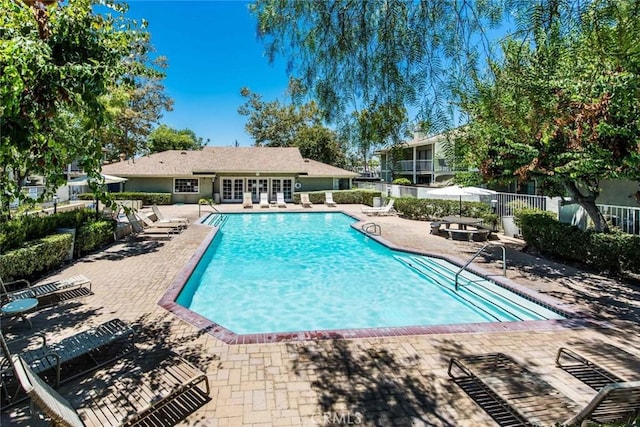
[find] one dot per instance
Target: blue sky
(213, 51)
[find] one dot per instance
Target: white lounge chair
(280, 200)
(304, 200)
(328, 200)
(384, 210)
(137, 227)
(246, 200)
(162, 218)
(264, 200)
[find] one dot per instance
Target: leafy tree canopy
(164, 138)
(272, 124)
(56, 62)
(563, 107)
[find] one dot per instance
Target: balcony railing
(423, 166)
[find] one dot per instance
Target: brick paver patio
(368, 381)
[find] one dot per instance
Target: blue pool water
(286, 272)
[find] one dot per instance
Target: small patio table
(19, 308)
(461, 221)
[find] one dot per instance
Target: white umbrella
(456, 190)
(104, 179)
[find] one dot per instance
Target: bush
(21, 229)
(613, 252)
(345, 197)
(35, 257)
(93, 236)
(434, 209)
(401, 181)
(147, 198)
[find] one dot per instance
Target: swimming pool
(286, 272)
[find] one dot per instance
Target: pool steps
(215, 220)
(479, 292)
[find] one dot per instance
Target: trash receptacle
(216, 198)
(377, 202)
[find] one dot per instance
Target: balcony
(423, 166)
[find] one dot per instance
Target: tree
(563, 107)
(164, 138)
(272, 124)
(56, 62)
(364, 58)
(136, 103)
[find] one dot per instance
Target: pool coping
(574, 318)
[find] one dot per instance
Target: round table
(19, 307)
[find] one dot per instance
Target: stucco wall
(165, 185)
(315, 184)
(618, 193)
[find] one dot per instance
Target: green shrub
(147, 198)
(434, 209)
(35, 257)
(93, 236)
(401, 181)
(24, 228)
(345, 197)
(613, 252)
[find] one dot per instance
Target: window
(186, 185)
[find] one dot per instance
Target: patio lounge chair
(280, 200)
(387, 209)
(172, 390)
(264, 200)
(162, 218)
(304, 200)
(48, 293)
(246, 200)
(139, 229)
(148, 222)
(511, 394)
(77, 354)
(586, 371)
(328, 200)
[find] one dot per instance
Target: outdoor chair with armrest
(133, 399)
(509, 391)
(97, 346)
(48, 293)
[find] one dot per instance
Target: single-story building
(225, 173)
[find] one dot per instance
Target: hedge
(35, 257)
(15, 232)
(345, 197)
(147, 198)
(613, 252)
(93, 236)
(435, 209)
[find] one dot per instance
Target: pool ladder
(371, 228)
(504, 261)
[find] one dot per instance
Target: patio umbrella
(104, 179)
(456, 190)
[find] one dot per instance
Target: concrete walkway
(371, 381)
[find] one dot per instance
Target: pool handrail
(504, 261)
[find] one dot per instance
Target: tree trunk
(588, 202)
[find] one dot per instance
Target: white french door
(257, 186)
(232, 189)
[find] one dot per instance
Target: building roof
(220, 160)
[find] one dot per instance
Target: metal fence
(508, 203)
(626, 218)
